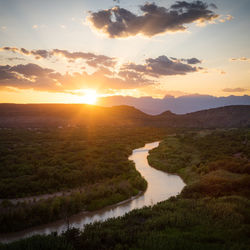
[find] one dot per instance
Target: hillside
(228, 116)
(45, 115)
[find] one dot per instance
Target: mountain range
(178, 105)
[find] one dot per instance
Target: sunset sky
(63, 51)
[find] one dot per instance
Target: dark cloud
(40, 53)
(119, 22)
(5, 74)
(192, 60)
(31, 69)
(232, 90)
(188, 61)
(161, 66)
(28, 76)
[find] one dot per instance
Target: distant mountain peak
(178, 105)
(167, 113)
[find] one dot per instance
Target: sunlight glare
(90, 96)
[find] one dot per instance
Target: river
(161, 186)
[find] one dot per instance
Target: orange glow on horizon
(90, 96)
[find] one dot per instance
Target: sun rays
(90, 96)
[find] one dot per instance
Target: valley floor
(212, 212)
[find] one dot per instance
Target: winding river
(161, 186)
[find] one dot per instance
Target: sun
(90, 96)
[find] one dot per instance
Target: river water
(161, 186)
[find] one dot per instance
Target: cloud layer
(25, 76)
(119, 22)
(106, 75)
(233, 90)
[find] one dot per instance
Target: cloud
(38, 54)
(15, 59)
(107, 74)
(30, 69)
(241, 59)
(234, 90)
(172, 66)
(223, 19)
(119, 22)
(24, 76)
(162, 66)
(192, 60)
(90, 58)
(129, 76)
(30, 75)
(5, 74)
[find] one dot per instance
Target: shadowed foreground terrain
(212, 212)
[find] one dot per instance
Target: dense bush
(213, 163)
(91, 163)
(41, 161)
(174, 224)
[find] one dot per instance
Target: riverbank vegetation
(212, 212)
(213, 163)
(51, 160)
(88, 165)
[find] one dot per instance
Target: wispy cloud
(240, 59)
(15, 59)
(225, 18)
(234, 90)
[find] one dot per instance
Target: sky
(67, 51)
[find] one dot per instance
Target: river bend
(161, 186)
